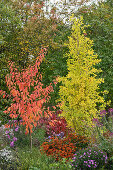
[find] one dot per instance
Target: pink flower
(103, 112)
(14, 139)
(6, 132)
(95, 120)
(110, 110)
(16, 130)
(12, 144)
(8, 136)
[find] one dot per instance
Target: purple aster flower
(16, 130)
(92, 161)
(15, 121)
(111, 134)
(80, 156)
(95, 166)
(103, 112)
(110, 110)
(106, 158)
(14, 139)
(89, 166)
(95, 120)
(57, 135)
(8, 136)
(12, 144)
(62, 134)
(6, 132)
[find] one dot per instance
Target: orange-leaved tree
(28, 94)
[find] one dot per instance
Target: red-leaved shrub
(54, 124)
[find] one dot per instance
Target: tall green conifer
(79, 90)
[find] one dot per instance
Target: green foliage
(29, 159)
(39, 136)
(101, 32)
(63, 165)
(9, 27)
(55, 61)
(79, 91)
(104, 136)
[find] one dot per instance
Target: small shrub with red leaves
(54, 124)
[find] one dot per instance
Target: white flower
(6, 154)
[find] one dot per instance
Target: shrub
(89, 159)
(63, 164)
(54, 124)
(8, 159)
(33, 159)
(38, 136)
(64, 147)
(14, 134)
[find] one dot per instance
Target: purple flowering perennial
(110, 110)
(12, 144)
(16, 129)
(6, 132)
(14, 139)
(103, 112)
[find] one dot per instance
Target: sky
(60, 6)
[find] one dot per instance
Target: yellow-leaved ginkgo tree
(79, 90)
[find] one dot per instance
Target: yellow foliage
(78, 92)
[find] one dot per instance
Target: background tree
(99, 17)
(9, 28)
(25, 30)
(79, 90)
(40, 31)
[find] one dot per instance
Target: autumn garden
(56, 86)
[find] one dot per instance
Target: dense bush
(64, 147)
(54, 124)
(90, 158)
(14, 134)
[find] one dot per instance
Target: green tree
(99, 17)
(79, 90)
(9, 27)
